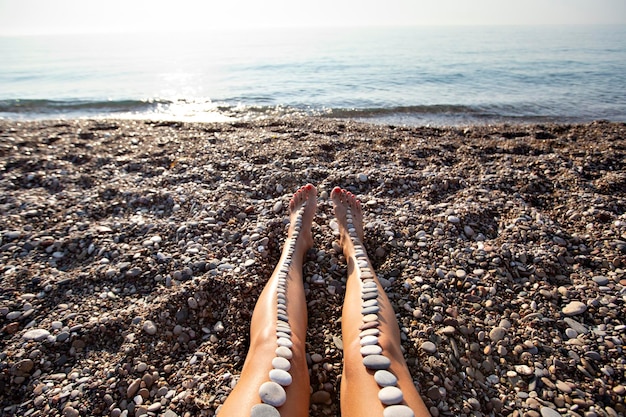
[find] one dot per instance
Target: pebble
(284, 352)
(369, 340)
(563, 386)
(278, 206)
(578, 327)
(385, 378)
(272, 393)
(390, 395)
(371, 350)
(398, 411)
(497, 333)
(280, 377)
(549, 412)
(36, 334)
(428, 347)
(320, 397)
(376, 362)
(70, 412)
(281, 363)
(149, 327)
(600, 280)
(448, 330)
(574, 308)
(264, 410)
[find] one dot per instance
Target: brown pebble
(133, 388)
(320, 397)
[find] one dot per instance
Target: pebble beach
(132, 253)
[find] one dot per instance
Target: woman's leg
(278, 330)
(375, 380)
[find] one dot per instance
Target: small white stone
(385, 378)
(264, 410)
(399, 411)
(280, 377)
(574, 308)
(369, 340)
(281, 363)
(497, 333)
(284, 352)
(149, 327)
(36, 335)
(390, 395)
(272, 393)
(429, 347)
(549, 412)
(371, 350)
(283, 341)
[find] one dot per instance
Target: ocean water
(416, 76)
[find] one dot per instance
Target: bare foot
(306, 199)
(348, 211)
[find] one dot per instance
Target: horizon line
(285, 27)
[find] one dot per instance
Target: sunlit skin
(263, 326)
(359, 391)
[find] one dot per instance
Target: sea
(429, 75)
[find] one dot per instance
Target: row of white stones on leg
(374, 358)
(272, 392)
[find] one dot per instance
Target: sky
(28, 17)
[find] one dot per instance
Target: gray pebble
(281, 363)
(149, 327)
(273, 394)
(264, 410)
(579, 327)
(369, 332)
(376, 362)
(371, 350)
(497, 333)
(369, 340)
(283, 341)
(370, 303)
(62, 337)
(36, 334)
(281, 377)
(390, 395)
(370, 310)
(398, 411)
(385, 378)
(369, 295)
(429, 347)
(549, 412)
(600, 280)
